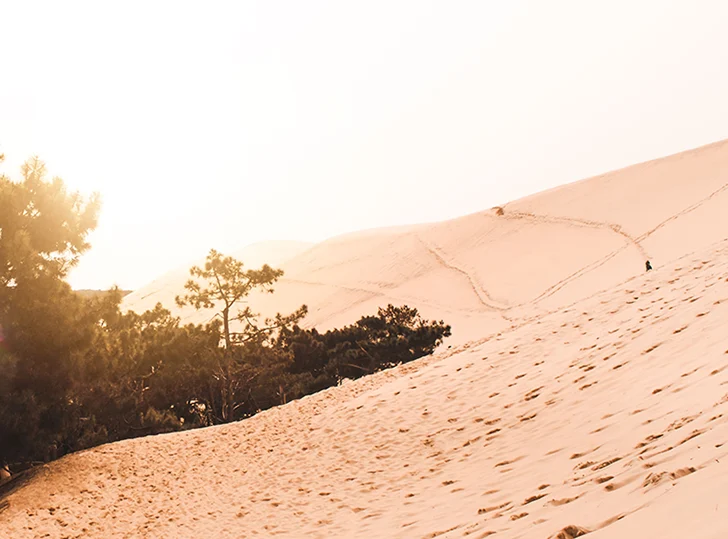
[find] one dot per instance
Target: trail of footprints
(644, 466)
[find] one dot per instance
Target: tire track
(548, 219)
(617, 229)
(411, 300)
(553, 289)
(483, 296)
(687, 210)
(550, 291)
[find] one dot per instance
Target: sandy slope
(593, 394)
(614, 407)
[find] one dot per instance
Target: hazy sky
(218, 124)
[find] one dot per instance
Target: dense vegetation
(76, 372)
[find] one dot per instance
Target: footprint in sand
(606, 464)
(564, 501)
(534, 498)
(570, 532)
(655, 479)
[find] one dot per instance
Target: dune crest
(486, 271)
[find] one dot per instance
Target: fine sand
(581, 395)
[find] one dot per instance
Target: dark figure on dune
(648, 266)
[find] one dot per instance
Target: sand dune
(483, 271)
(582, 394)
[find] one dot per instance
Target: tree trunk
(226, 326)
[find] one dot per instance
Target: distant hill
(93, 293)
(164, 289)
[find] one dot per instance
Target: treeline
(76, 372)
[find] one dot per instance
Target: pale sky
(219, 124)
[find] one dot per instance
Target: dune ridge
(544, 251)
